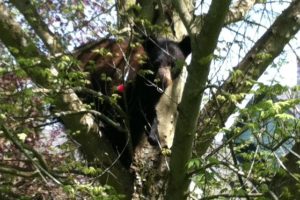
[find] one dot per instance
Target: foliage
(37, 160)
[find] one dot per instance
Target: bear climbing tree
(138, 74)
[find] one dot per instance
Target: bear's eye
(157, 63)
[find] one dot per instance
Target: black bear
(163, 59)
(139, 74)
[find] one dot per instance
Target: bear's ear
(185, 46)
(149, 43)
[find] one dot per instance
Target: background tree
(38, 70)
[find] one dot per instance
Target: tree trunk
(191, 99)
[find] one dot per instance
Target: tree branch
(18, 172)
(218, 196)
(239, 10)
(251, 67)
(236, 13)
(188, 109)
(30, 13)
(184, 13)
(23, 49)
(283, 181)
(41, 167)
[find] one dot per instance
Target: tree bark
(189, 106)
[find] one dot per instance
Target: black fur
(142, 94)
(146, 92)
